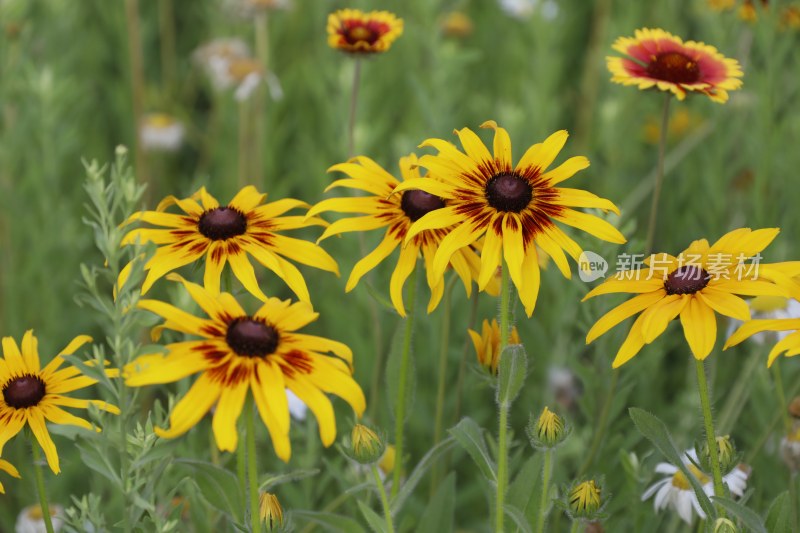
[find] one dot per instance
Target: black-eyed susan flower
(675, 492)
(239, 352)
(228, 234)
(357, 32)
(9, 469)
(657, 59)
(515, 207)
(702, 280)
(396, 213)
(487, 344)
(33, 395)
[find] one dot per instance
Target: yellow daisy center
(361, 33)
(222, 223)
(251, 338)
(674, 67)
(681, 482)
(508, 192)
(24, 391)
(415, 204)
(687, 279)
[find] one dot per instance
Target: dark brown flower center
(674, 67)
(25, 391)
(416, 204)
(508, 192)
(251, 338)
(222, 223)
(359, 31)
(687, 279)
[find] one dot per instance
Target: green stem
(252, 467)
(37, 466)
(261, 129)
(387, 510)
(241, 468)
(166, 30)
(123, 452)
(547, 471)
(575, 525)
(400, 407)
(702, 384)
(444, 349)
(244, 148)
(462, 366)
(602, 425)
(776, 375)
(351, 126)
(794, 504)
(502, 437)
(662, 145)
(137, 87)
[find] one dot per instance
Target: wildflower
(218, 50)
(237, 352)
(31, 519)
(161, 132)
(366, 446)
(585, 500)
(515, 207)
(396, 213)
(487, 344)
(244, 74)
(456, 24)
(227, 235)
(768, 307)
(270, 511)
(33, 395)
(8, 468)
(701, 280)
(721, 5)
(548, 431)
(357, 32)
(523, 9)
(676, 492)
(655, 58)
(785, 321)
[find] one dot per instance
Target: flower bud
(726, 452)
(585, 500)
(366, 446)
(548, 431)
(724, 525)
(270, 511)
(487, 344)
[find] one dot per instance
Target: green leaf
(219, 487)
(749, 518)
(331, 522)
(522, 488)
(98, 461)
(511, 373)
(420, 470)
(779, 516)
(375, 521)
(438, 516)
(518, 517)
(393, 366)
(470, 436)
(654, 429)
(294, 475)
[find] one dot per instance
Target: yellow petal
(227, 413)
(699, 327)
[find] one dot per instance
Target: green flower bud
(548, 431)
(724, 525)
(585, 500)
(366, 446)
(726, 451)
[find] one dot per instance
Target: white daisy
(30, 520)
(161, 132)
(522, 9)
(676, 492)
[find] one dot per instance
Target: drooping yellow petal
(699, 327)
(752, 327)
(270, 397)
(543, 154)
(319, 405)
(631, 346)
(229, 407)
(502, 146)
(30, 351)
(725, 303)
(473, 146)
(244, 272)
(35, 420)
(592, 225)
(191, 408)
(405, 266)
(328, 378)
(565, 170)
(621, 312)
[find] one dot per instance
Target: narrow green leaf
(294, 475)
(518, 517)
(438, 515)
(219, 487)
(525, 483)
(470, 436)
(331, 522)
(420, 470)
(654, 430)
(375, 521)
(511, 373)
(779, 516)
(749, 518)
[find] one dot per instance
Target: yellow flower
(550, 427)
(228, 233)
(721, 5)
(238, 352)
(701, 280)
(357, 32)
(33, 395)
(456, 24)
(270, 511)
(487, 344)
(655, 58)
(584, 499)
(8, 468)
(395, 212)
(516, 207)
